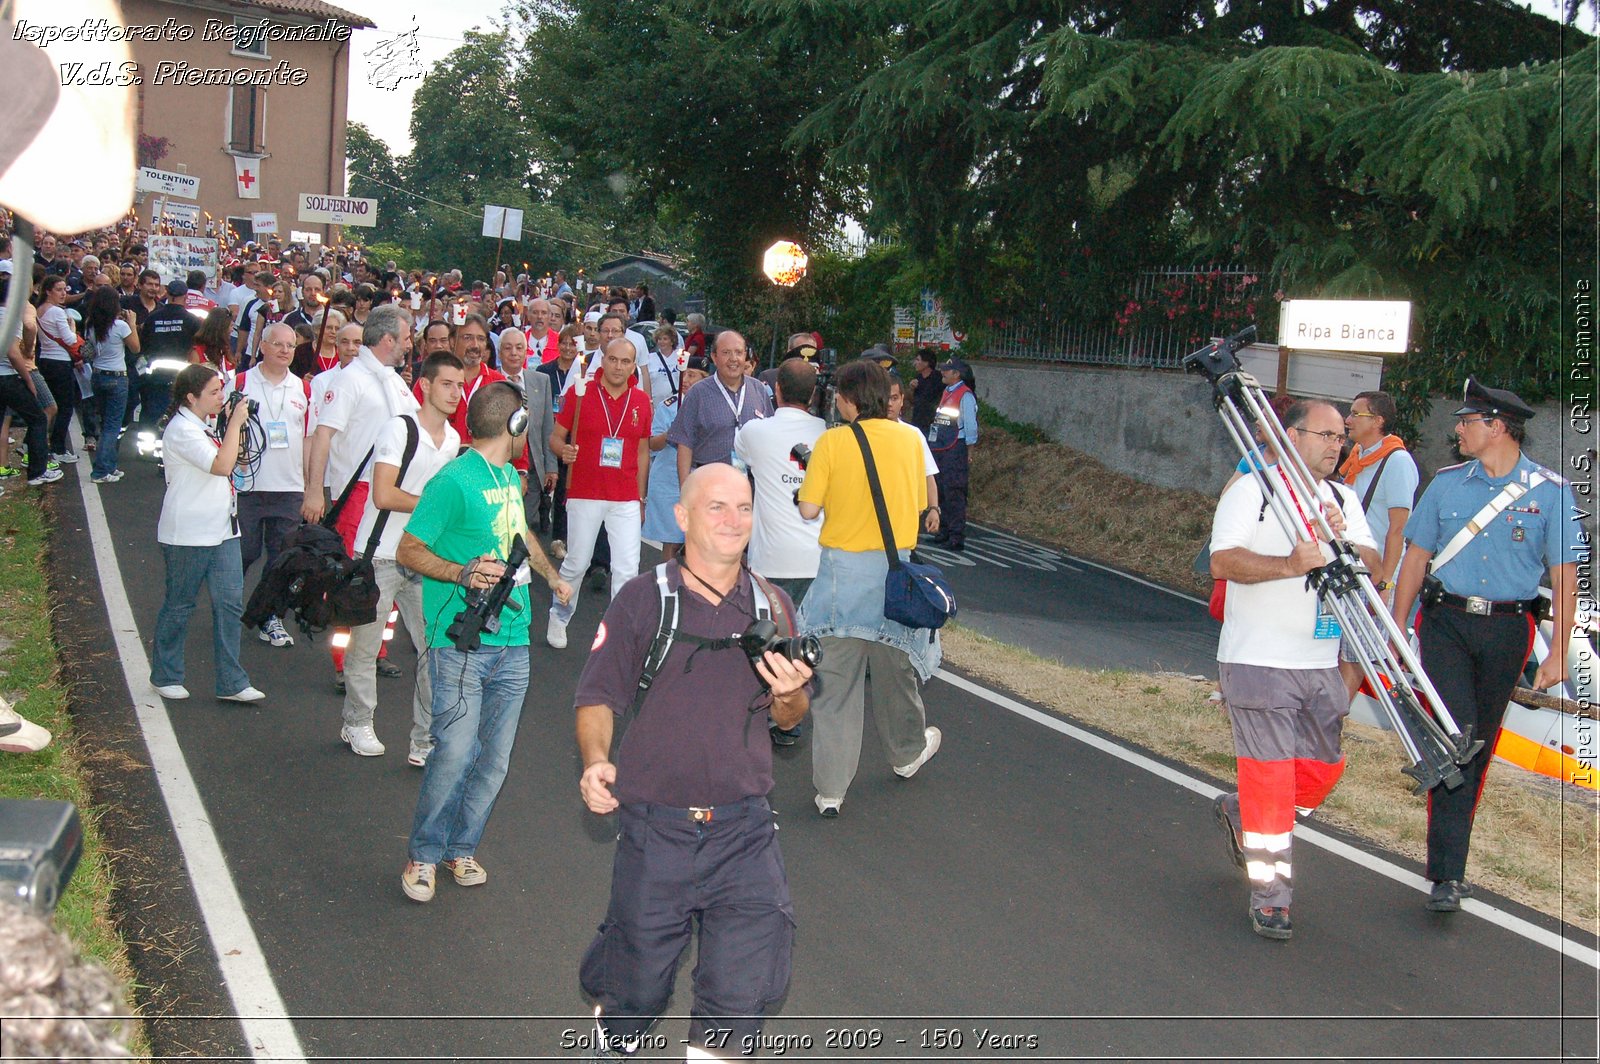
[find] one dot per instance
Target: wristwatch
(1382, 585)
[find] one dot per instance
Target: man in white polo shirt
(397, 482)
(355, 404)
(270, 496)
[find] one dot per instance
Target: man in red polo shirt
(610, 462)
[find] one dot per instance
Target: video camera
(821, 405)
(484, 605)
(233, 400)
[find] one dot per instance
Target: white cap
(592, 317)
(5, 266)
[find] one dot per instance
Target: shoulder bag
(914, 595)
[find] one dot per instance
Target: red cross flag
(247, 175)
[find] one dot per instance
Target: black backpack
(314, 579)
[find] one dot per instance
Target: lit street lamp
(784, 264)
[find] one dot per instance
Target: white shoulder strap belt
(1508, 495)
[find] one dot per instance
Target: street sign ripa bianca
(1367, 326)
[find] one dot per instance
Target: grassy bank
(1533, 843)
(30, 678)
(1061, 496)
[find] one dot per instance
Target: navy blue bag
(914, 595)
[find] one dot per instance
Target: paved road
(1025, 887)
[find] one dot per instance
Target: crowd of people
(446, 430)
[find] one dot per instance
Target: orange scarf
(1357, 461)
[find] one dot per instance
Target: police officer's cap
(953, 364)
(1492, 402)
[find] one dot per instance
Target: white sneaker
(934, 737)
(107, 478)
(828, 807)
(65, 458)
(49, 476)
(18, 734)
(417, 757)
(249, 694)
(556, 633)
(274, 632)
(173, 692)
(362, 739)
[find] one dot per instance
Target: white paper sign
(297, 237)
(338, 210)
(152, 180)
(501, 222)
(176, 215)
(1371, 326)
(264, 222)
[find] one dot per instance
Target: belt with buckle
(704, 814)
(113, 372)
(1483, 607)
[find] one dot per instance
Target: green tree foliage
(1436, 150)
(375, 175)
(679, 110)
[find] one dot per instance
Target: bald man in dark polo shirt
(691, 778)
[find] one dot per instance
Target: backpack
(314, 579)
(767, 603)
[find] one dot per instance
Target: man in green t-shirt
(458, 538)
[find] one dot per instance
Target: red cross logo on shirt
(246, 178)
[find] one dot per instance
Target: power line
(470, 214)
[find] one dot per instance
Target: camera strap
(413, 437)
(767, 605)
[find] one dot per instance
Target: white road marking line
(256, 1002)
(1499, 917)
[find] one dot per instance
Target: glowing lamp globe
(784, 263)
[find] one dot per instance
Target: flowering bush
(1205, 303)
(152, 149)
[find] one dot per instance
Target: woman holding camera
(199, 535)
(844, 605)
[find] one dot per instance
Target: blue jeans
(477, 702)
(111, 396)
(219, 568)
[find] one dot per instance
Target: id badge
(610, 452)
(1327, 626)
(278, 435)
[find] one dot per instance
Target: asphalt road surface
(1027, 896)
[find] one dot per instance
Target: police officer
(955, 428)
(1479, 540)
(696, 835)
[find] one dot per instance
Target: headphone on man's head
(517, 423)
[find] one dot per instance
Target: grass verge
(1535, 844)
(30, 678)
(1026, 483)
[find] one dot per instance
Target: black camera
(234, 399)
(484, 605)
(801, 455)
(827, 361)
(762, 636)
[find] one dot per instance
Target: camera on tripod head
(821, 405)
(484, 604)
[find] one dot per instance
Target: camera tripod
(1433, 743)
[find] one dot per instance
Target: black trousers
(1474, 662)
(953, 474)
(64, 386)
(669, 874)
(16, 399)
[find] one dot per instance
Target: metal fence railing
(1169, 313)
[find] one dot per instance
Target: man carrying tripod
(1278, 658)
(465, 524)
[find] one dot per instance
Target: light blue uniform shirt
(1509, 558)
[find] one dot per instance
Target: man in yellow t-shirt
(844, 606)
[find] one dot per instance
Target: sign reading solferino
(1371, 326)
(338, 210)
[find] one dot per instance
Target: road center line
(257, 1004)
(1499, 917)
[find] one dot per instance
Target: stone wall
(1163, 428)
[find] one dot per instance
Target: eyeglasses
(1362, 413)
(1327, 437)
(1472, 420)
